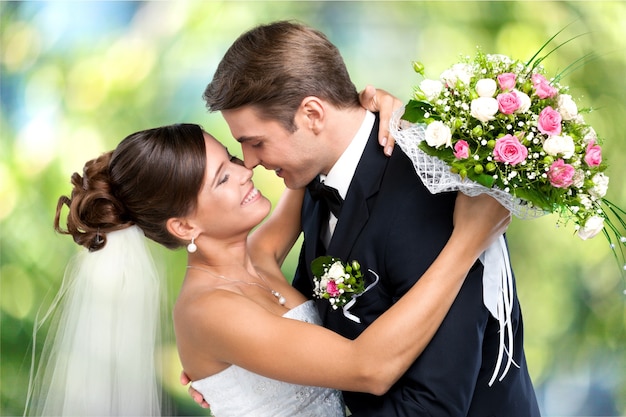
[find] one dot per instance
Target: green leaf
(318, 264)
(414, 111)
(484, 179)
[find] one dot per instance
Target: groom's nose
(250, 159)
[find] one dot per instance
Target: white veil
(99, 355)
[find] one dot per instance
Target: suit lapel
(360, 197)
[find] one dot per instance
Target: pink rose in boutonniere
(335, 281)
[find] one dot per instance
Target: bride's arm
(298, 352)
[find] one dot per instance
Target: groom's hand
(195, 395)
(376, 100)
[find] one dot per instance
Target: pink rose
(549, 121)
(560, 174)
(331, 288)
(461, 150)
(543, 87)
(593, 156)
(509, 149)
(508, 103)
(507, 81)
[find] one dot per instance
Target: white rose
(592, 227)
(590, 135)
(486, 87)
(579, 178)
(524, 102)
(556, 144)
(336, 270)
(484, 108)
(438, 134)
(458, 72)
(431, 89)
(600, 185)
(567, 107)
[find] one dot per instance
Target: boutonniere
(340, 283)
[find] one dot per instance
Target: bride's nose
(246, 174)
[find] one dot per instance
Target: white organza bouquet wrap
(438, 178)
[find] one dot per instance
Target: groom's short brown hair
(274, 67)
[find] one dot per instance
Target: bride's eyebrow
(217, 174)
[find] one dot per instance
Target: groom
(285, 93)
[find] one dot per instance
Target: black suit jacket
(392, 225)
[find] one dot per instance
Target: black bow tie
(329, 195)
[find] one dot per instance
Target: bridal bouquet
(493, 124)
(496, 123)
(335, 281)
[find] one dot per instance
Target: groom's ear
(311, 114)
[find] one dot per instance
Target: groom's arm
(441, 381)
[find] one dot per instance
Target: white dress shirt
(340, 175)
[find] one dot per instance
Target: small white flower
(438, 134)
(486, 87)
(592, 227)
(567, 107)
(484, 108)
(586, 202)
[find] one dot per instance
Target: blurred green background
(77, 77)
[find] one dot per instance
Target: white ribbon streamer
(498, 298)
(349, 304)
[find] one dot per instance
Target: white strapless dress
(238, 392)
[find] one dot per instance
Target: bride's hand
(195, 395)
(376, 100)
(480, 219)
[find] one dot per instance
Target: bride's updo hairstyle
(151, 176)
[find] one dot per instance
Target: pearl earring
(191, 248)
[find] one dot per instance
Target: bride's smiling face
(228, 201)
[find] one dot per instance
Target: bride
(251, 343)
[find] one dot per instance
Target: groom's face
(293, 156)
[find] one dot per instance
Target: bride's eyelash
(234, 159)
(224, 179)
